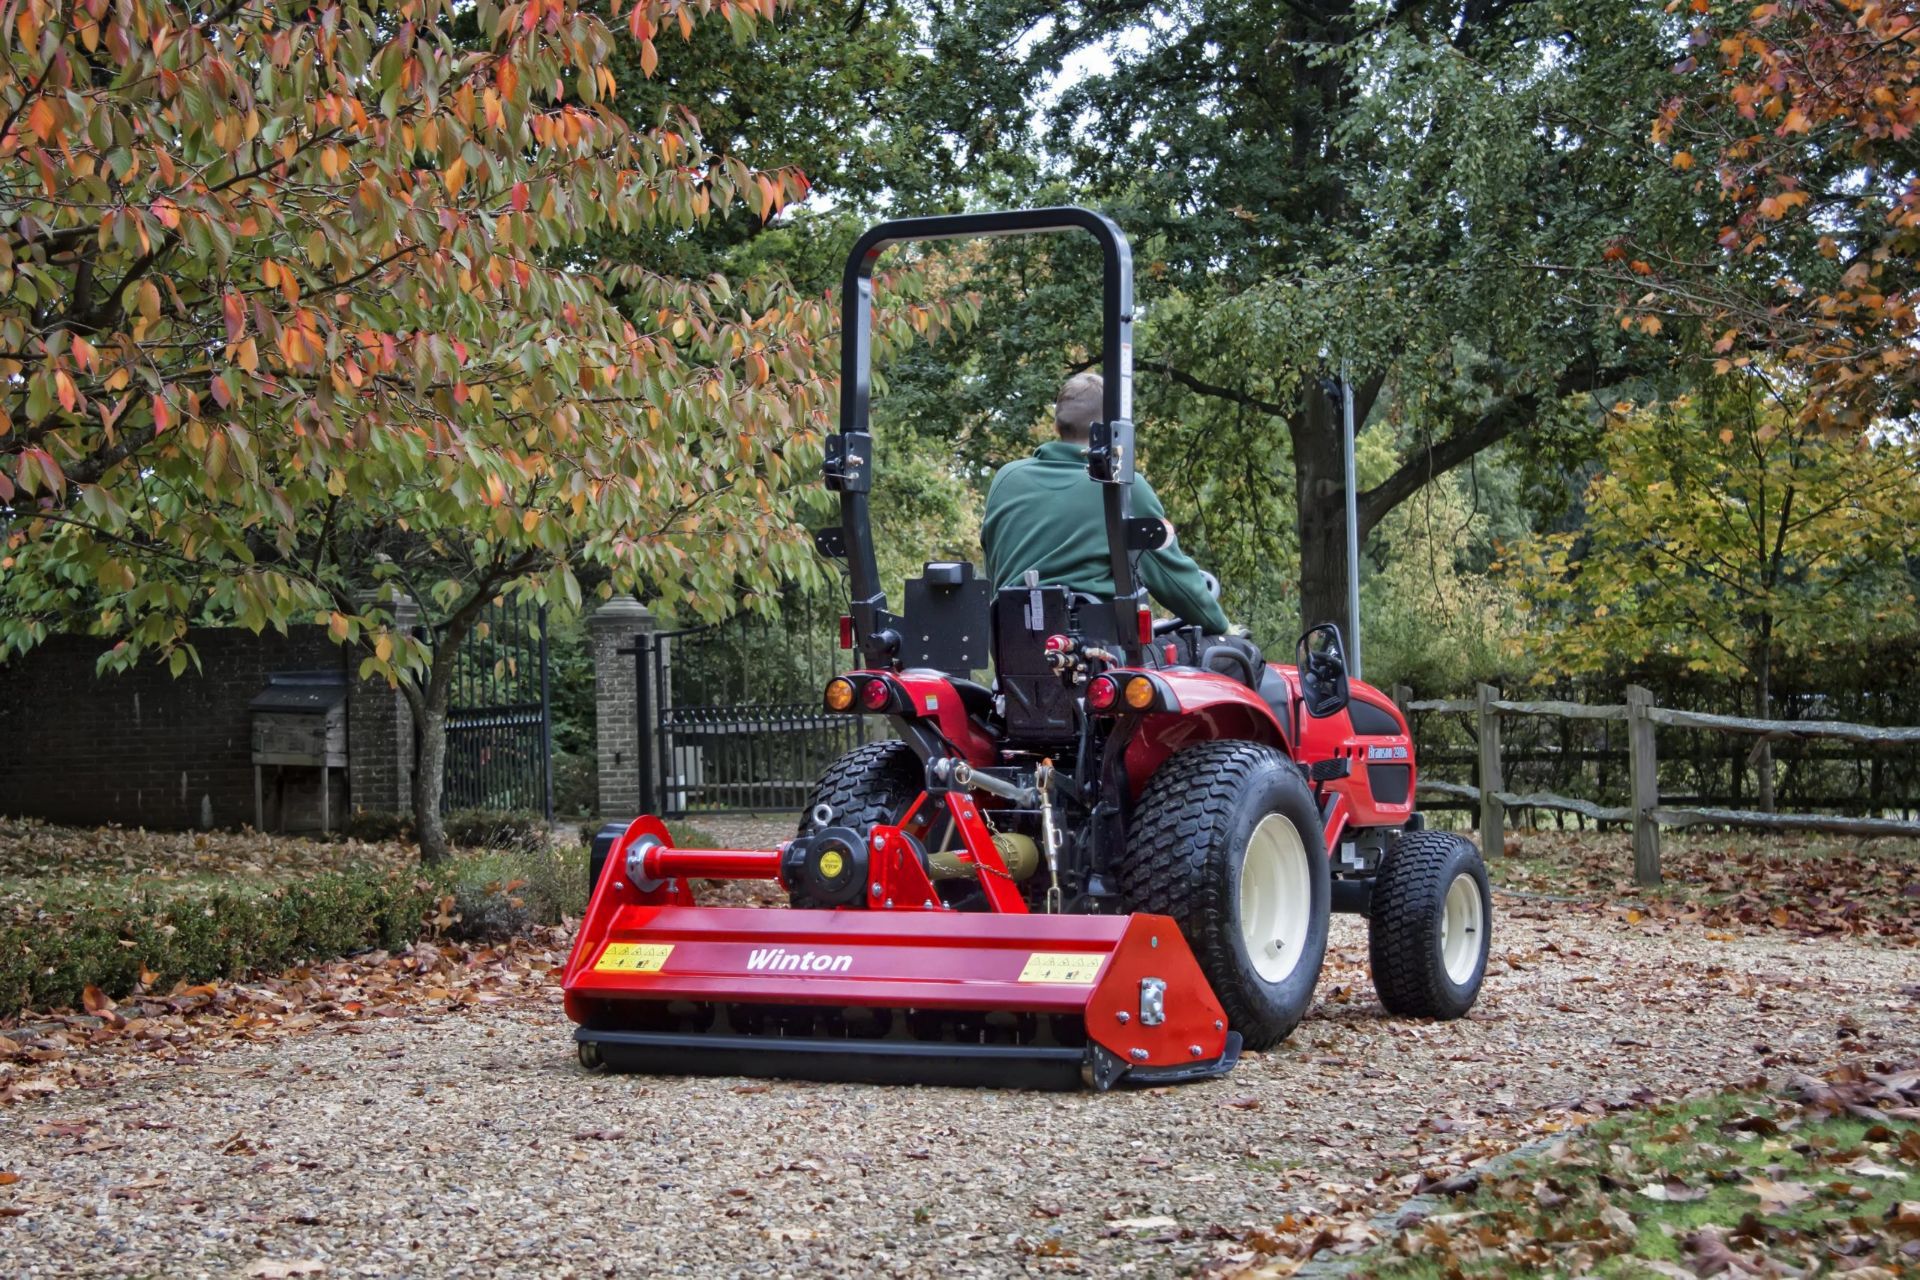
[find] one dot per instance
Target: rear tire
(868, 785)
(1431, 926)
(1226, 840)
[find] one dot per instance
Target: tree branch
(1214, 389)
(1507, 415)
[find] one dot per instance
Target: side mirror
(1321, 658)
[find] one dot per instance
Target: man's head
(1078, 407)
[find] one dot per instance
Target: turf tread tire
(1403, 943)
(869, 784)
(1176, 864)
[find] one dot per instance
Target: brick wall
(146, 749)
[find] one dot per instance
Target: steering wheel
(1166, 626)
(1323, 666)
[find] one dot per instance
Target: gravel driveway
(467, 1143)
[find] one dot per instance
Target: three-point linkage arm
(849, 454)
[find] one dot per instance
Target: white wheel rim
(1276, 898)
(1462, 929)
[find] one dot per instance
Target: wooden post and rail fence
(1644, 810)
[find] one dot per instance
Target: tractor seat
(1235, 656)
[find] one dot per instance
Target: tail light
(861, 692)
(876, 695)
(1122, 691)
(1103, 693)
(1140, 693)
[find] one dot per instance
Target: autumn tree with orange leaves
(296, 320)
(1800, 117)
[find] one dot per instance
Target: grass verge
(1823, 1176)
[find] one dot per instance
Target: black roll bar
(849, 453)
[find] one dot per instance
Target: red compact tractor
(1114, 863)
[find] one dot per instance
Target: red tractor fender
(932, 696)
(1211, 707)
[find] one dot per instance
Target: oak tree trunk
(1320, 483)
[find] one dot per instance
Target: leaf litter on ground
(1730, 882)
(45, 1053)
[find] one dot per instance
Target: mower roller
(1115, 865)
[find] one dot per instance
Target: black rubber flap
(872, 1062)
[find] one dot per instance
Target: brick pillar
(380, 734)
(618, 624)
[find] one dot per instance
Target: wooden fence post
(1493, 814)
(1644, 778)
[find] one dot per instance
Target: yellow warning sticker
(634, 957)
(831, 863)
(1078, 968)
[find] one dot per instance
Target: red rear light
(1146, 625)
(876, 695)
(1103, 693)
(846, 631)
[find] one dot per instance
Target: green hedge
(49, 955)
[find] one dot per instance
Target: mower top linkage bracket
(944, 773)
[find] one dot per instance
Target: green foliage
(1432, 619)
(1417, 192)
(103, 935)
(833, 88)
(378, 826)
(1724, 534)
(499, 894)
(519, 831)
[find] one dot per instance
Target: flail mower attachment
(898, 990)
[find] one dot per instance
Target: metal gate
(731, 715)
(499, 721)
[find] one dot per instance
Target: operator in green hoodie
(1044, 513)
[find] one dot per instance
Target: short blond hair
(1079, 405)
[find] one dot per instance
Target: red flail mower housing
(1117, 864)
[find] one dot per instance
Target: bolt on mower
(1117, 864)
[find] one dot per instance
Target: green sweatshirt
(1045, 513)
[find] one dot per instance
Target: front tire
(1226, 840)
(1431, 926)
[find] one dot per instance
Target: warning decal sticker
(633, 957)
(1078, 968)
